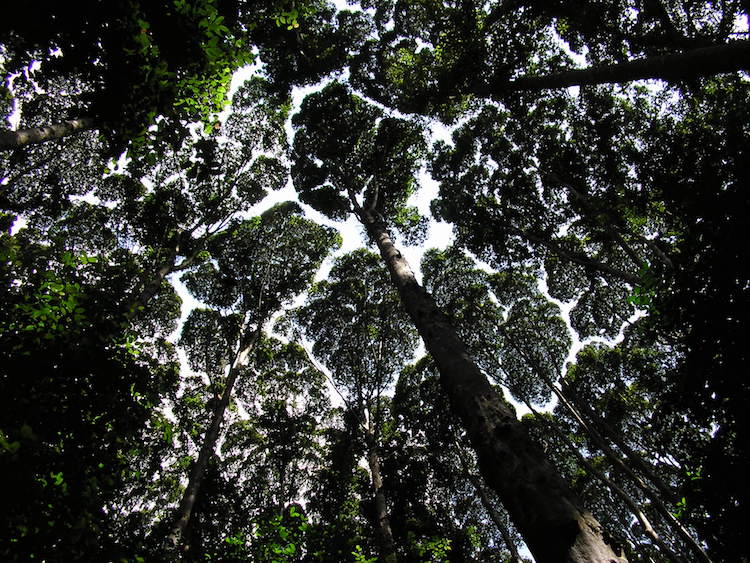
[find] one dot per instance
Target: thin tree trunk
(168, 266)
(554, 525)
(13, 139)
(572, 407)
(599, 440)
(484, 499)
(630, 453)
(613, 233)
(648, 529)
(705, 61)
(383, 523)
(154, 285)
(207, 448)
(515, 557)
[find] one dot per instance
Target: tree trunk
(484, 499)
(154, 285)
(634, 507)
(705, 61)
(168, 266)
(572, 406)
(382, 521)
(13, 139)
(495, 517)
(635, 460)
(554, 525)
(207, 449)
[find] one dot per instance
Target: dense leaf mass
(199, 362)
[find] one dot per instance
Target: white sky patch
(244, 74)
(741, 25)
(439, 132)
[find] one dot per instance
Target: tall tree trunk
(13, 139)
(207, 448)
(551, 519)
(634, 460)
(705, 61)
(382, 521)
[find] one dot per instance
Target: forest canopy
(231, 331)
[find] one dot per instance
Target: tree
(437, 491)
(590, 214)
(361, 334)
(360, 155)
(80, 389)
(260, 265)
(140, 60)
(198, 188)
(610, 215)
(521, 342)
(340, 527)
(267, 458)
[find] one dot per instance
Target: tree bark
(13, 139)
(551, 519)
(207, 449)
(382, 521)
(705, 61)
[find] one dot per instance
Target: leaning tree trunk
(549, 516)
(599, 440)
(14, 139)
(207, 450)
(515, 557)
(705, 61)
(152, 287)
(629, 501)
(634, 461)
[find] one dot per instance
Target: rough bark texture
(554, 525)
(14, 139)
(207, 450)
(698, 62)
